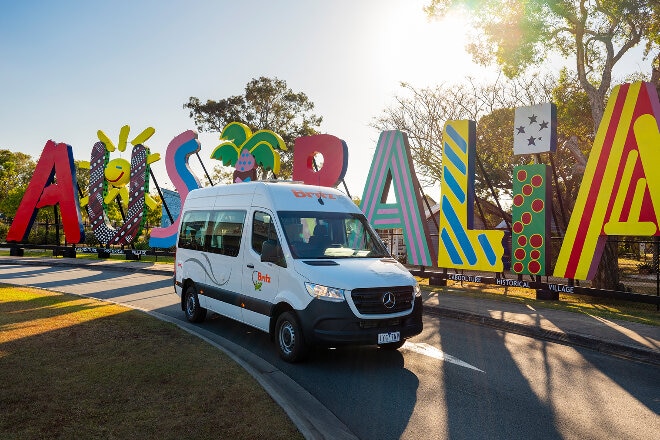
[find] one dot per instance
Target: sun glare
(430, 51)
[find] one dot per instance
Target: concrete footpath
(620, 338)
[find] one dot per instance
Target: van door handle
(251, 266)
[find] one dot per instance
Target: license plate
(386, 338)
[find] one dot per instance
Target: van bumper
(326, 323)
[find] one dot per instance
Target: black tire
(392, 345)
(194, 312)
(289, 338)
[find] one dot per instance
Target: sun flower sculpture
(117, 172)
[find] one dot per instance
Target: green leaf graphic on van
(255, 280)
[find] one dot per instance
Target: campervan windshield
(330, 235)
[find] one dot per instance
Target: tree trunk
(655, 72)
(607, 275)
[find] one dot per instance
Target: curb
(311, 417)
(610, 348)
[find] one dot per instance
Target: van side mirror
(271, 252)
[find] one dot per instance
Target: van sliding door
(223, 251)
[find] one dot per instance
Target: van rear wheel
(194, 312)
(289, 338)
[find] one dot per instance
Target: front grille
(370, 301)
(380, 323)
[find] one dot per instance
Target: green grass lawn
(74, 367)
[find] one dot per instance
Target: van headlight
(324, 292)
(417, 290)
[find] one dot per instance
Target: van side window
(226, 231)
(262, 229)
(193, 230)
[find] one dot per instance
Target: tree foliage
(423, 112)
(575, 138)
(16, 170)
(222, 175)
(267, 104)
(518, 34)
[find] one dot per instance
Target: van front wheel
(289, 338)
(194, 312)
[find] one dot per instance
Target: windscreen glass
(330, 235)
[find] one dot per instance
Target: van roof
(281, 196)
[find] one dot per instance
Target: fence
(639, 271)
(47, 236)
(638, 263)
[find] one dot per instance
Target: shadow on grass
(94, 370)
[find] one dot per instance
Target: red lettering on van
(312, 195)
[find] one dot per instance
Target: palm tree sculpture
(246, 151)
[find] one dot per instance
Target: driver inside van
(320, 239)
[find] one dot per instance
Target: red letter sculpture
(55, 160)
(335, 160)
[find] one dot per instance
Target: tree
(16, 170)
(518, 34)
(654, 41)
(495, 155)
(422, 114)
(492, 106)
(82, 177)
(268, 104)
(575, 137)
(222, 174)
(154, 216)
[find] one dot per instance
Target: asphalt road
(455, 380)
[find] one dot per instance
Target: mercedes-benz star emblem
(389, 300)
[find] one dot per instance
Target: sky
(69, 68)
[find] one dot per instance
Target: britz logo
(312, 195)
(258, 279)
(263, 277)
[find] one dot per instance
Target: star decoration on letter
(539, 121)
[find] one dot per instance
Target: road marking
(431, 351)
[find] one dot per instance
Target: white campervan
(299, 262)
